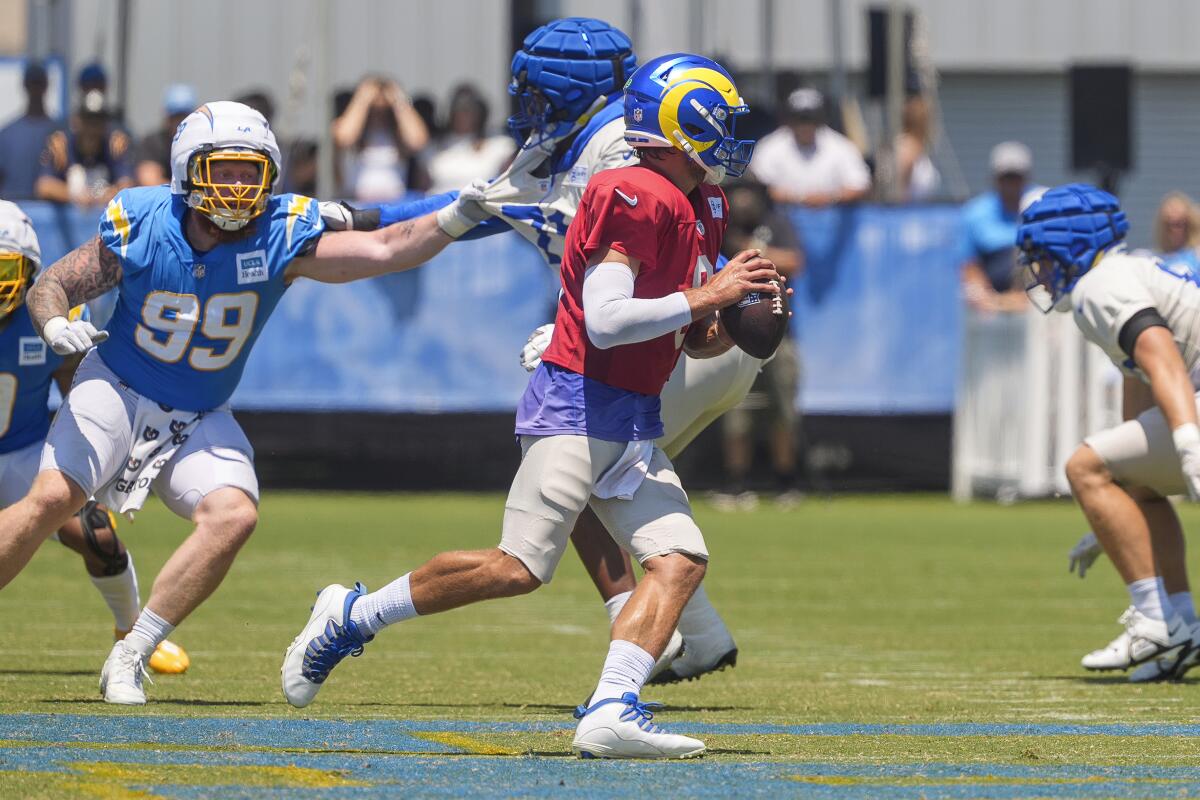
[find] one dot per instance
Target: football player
(1145, 315)
(637, 287)
(199, 265)
(567, 80)
(27, 368)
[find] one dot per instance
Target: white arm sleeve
(613, 316)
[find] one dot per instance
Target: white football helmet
(20, 256)
(224, 131)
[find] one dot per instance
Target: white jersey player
(567, 140)
(1145, 316)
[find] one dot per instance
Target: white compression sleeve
(613, 316)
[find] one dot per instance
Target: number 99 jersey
(185, 321)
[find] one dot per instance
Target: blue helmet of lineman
(1063, 234)
(689, 102)
(563, 72)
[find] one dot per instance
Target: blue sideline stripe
(396, 734)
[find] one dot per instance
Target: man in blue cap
(154, 151)
(22, 140)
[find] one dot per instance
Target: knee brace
(97, 520)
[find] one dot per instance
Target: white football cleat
(1142, 640)
(710, 651)
(121, 676)
(620, 727)
(674, 649)
(327, 638)
(1172, 666)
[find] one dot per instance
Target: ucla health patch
(32, 351)
(252, 267)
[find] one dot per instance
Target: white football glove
(1187, 445)
(66, 337)
(465, 212)
(535, 345)
(1084, 554)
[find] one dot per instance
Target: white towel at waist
(623, 478)
(158, 431)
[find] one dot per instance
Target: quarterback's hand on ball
(1084, 554)
(746, 272)
(66, 338)
(535, 345)
(465, 212)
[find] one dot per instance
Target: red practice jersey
(676, 237)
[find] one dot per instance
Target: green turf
(852, 610)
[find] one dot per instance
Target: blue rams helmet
(1062, 235)
(562, 72)
(688, 102)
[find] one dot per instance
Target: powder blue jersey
(27, 365)
(185, 321)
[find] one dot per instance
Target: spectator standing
(754, 223)
(1177, 232)
(88, 163)
(805, 162)
(154, 152)
(919, 178)
(375, 136)
(22, 140)
(93, 77)
(990, 272)
(466, 152)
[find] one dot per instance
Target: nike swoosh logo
(631, 200)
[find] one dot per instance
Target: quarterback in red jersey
(637, 289)
(674, 238)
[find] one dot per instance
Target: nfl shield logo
(198, 271)
(637, 114)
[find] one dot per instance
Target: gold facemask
(229, 205)
(16, 271)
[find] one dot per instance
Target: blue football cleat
(327, 638)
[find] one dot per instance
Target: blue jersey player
(199, 267)
(27, 369)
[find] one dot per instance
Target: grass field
(890, 647)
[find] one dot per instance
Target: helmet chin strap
(712, 175)
(228, 225)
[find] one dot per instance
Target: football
(757, 323)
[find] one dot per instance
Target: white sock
(626, 669)
(614, 604)
(1149, 596)
(375, 611)
(1181, 604)
(699, 618)
(148, 631)
(120, 592)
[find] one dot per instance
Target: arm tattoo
(86, 272)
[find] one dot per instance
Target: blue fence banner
(877, 316)
(878, 311)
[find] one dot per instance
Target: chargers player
(567, 80)
(27, 368)
(636, 289)
(1145, 315)
(199, 266)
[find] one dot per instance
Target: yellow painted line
(290, 776)
(467, 743)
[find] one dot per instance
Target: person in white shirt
(466, 153)
(805, 162)
(1145, 315)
